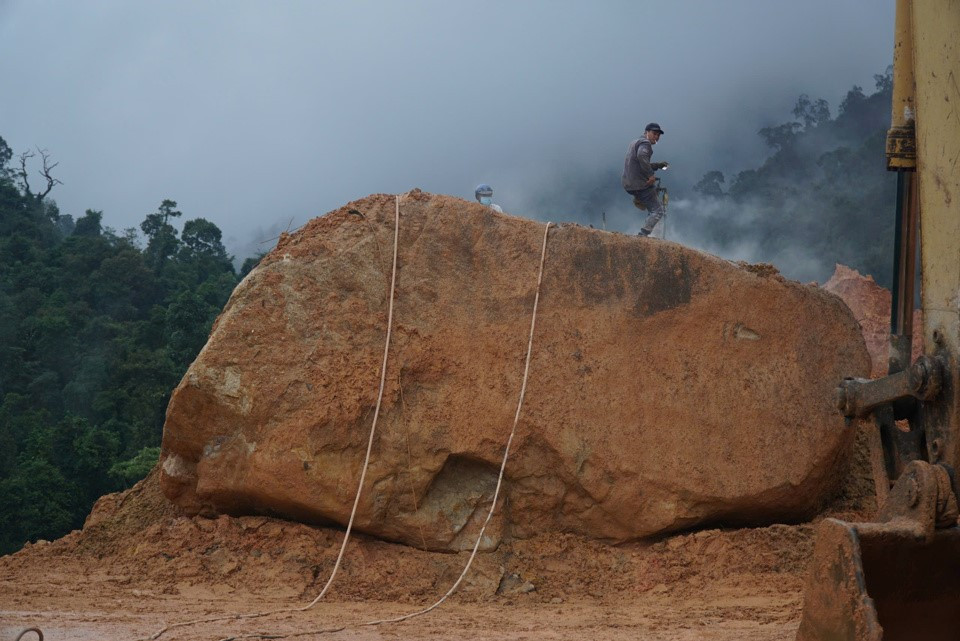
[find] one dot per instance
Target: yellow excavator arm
(899, 578)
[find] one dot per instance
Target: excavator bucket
(899, 578)
(882, 581)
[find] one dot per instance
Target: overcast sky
(256, 114)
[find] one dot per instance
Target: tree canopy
(95, 332)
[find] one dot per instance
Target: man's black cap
(654, 127)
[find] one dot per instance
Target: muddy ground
(138, 566)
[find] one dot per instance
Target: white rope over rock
(493, 503)
(366, 462)
(506, 452)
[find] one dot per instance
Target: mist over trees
(823, 197)
(95, 332)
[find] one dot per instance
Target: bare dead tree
(46, 172)
(22, 174)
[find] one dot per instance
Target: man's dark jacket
(636, 167)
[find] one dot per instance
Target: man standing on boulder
(638, 179)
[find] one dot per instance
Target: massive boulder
(668, 388)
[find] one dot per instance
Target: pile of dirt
(139, 564)
(137, 541)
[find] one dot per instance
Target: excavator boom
(899, 578)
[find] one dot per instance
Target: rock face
(668, 388)
(870, 304)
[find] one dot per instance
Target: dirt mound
(140, 564)
(136, 541)
(117, 581)
(668, 388)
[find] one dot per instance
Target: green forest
(96, 329)
(97, 326)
